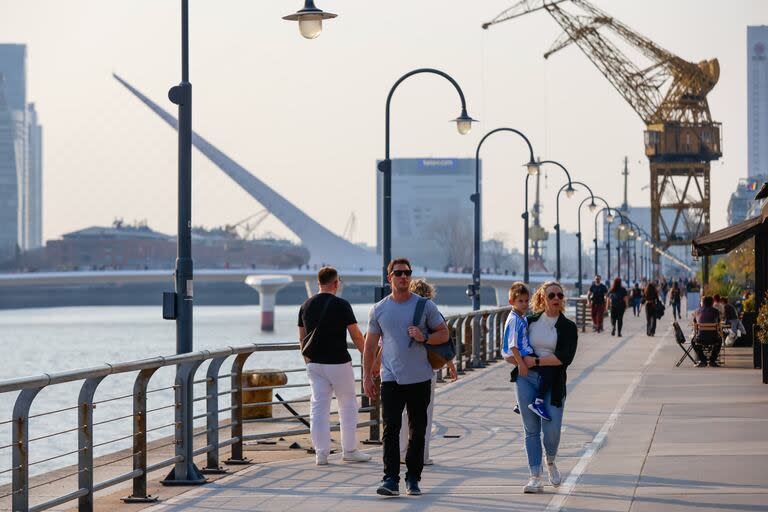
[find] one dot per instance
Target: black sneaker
(701, 364)
(388, 487)
(412, 488)
(713, 364)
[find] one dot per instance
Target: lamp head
(533, 168)
(310, 19)
(464, 123)
(592, 206)
(570, 191)
(610, 217)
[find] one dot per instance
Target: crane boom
(670, 96)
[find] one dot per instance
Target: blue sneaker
(388, 487)
(412, 487)
(516, 409)
(538, 410)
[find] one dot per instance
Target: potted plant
(761, 326)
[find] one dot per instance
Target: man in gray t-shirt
(406, 374)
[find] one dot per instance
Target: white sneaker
(321, 459)
(534, 486)
(554, 475)
(355, 456)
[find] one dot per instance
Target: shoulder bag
(438, 355)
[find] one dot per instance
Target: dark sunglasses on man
(401, 273)
(552, 295)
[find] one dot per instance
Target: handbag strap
(322, 315)
(417, 314)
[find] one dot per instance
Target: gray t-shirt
(402, 361)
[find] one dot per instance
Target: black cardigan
(565, 350)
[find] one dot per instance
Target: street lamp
(533, 170)
(609, 217)
(592, 207)
(569, 193)
(178, 304)
(463, 125)
(310, 19)
(473, 290)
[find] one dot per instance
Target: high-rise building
(431, 211)
(9, 188)
(757, 100)
(26, 134)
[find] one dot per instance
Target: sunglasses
(552, 295)
(401, 273)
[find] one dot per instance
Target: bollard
(256, 379)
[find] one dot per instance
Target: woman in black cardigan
(553, 338)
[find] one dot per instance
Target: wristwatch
(536, 361)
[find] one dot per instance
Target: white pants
(324, 381)
(428, 433)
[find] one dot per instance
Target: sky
(307, 116)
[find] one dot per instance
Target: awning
(727, 239)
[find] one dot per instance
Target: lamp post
(533, 170)
(569, 192)
(463, 125)
(609, 218)
(473, 290)
(592, 208)
(178, 305)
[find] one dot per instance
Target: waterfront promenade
(639, 435)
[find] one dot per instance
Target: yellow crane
(670, 96)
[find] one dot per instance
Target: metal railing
(472, 352)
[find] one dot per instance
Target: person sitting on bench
(706, 325)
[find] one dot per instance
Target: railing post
(139, 494)
(20, 455)
(212, 466)
(374, 430)
(184, 471)
(85, 442)
(460, 345)
(476, 361)
(486, 336)
(236, 456)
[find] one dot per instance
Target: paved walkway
(639, 435)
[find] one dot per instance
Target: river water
(36, 341)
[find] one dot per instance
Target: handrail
(490, 323)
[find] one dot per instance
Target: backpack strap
(417, 314)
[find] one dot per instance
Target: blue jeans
(534, 426)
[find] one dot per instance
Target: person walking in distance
(650, 300)
(324, 321)
(617, 304)
(675, 297)
(596, 298)
(406, 375)
(637, 299)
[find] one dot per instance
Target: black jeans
(650, 320)
(395, 397)
(676, 310)
(617, 318)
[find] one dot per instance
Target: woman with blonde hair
(553, 338)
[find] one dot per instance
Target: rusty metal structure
(670, 96)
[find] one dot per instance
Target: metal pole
(596, 256)
(385, 166)
(181, 95)
(578, 279)
(634, 255)
(526, 270)
(618, 258)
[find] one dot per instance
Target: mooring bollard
(258, 379)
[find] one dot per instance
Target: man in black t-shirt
(596, 298)
(324, 321)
